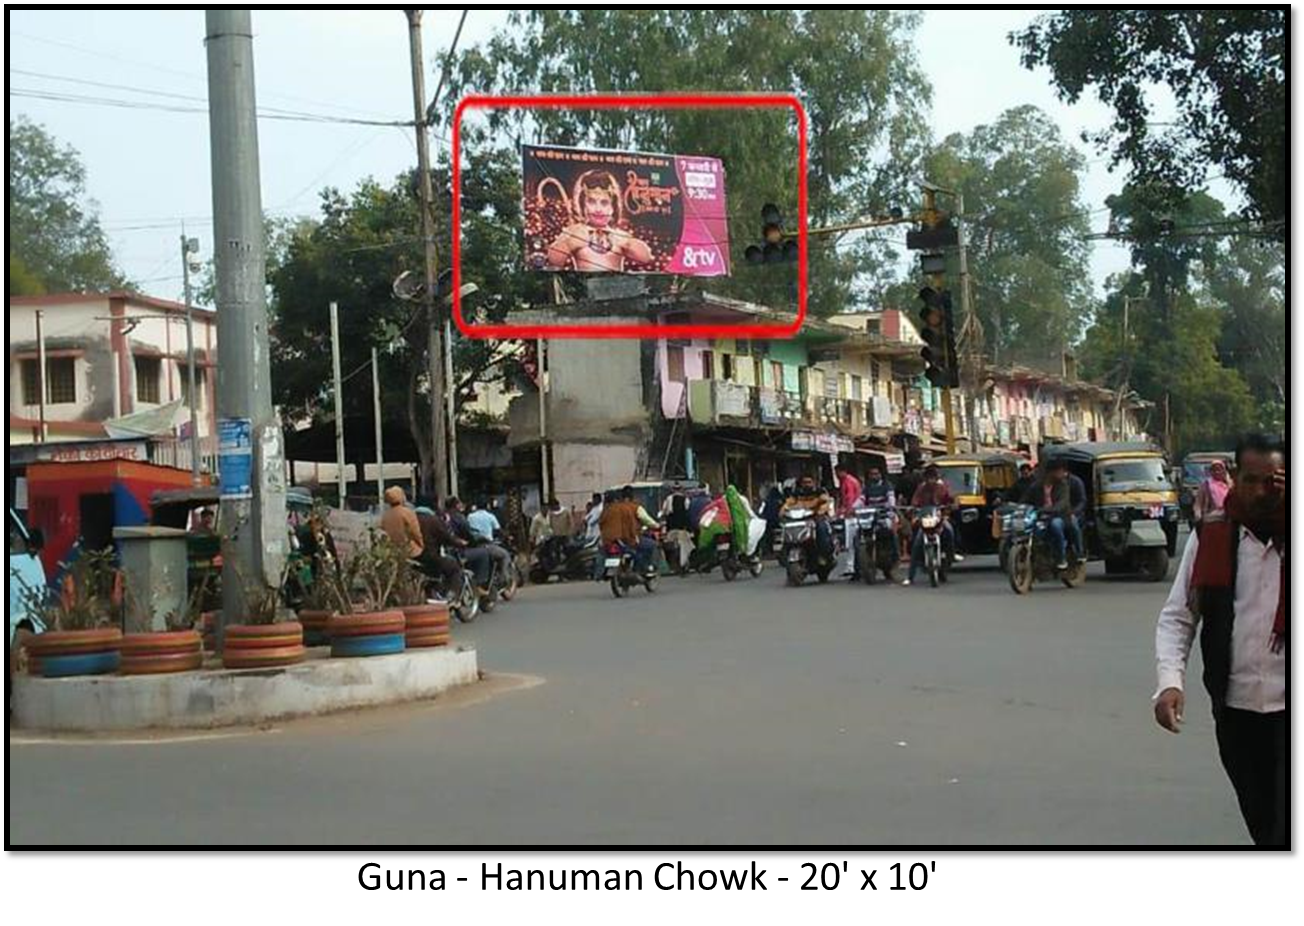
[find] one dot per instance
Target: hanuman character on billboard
(624, 212)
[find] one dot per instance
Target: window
(183, 374)
(726, 366)
(147, 379)
(708, 365)
(857, 391)
(743, 347)
(60, 381)
(675, 364)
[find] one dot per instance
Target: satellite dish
(409, 286)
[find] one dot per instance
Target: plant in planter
(426, 621)
(179, 648)
(369, 626)
(262, 639)
(84, 619)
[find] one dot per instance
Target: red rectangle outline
(644, 101)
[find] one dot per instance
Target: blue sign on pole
(235, 451)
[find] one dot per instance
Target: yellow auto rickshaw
(979, 483)
(1132, 508)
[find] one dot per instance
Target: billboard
(624, 212)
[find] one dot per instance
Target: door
(95, 520)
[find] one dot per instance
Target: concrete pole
(190, 359)
(40, 372)
(966, 309)
(340, 481)
(545, 476)
(437, 373)
(450, 406)
(380, 453)
(255, 541)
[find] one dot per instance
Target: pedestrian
(1211, 497)
(1231, 590)
(540, 528)
(679, 535)
(592, 513)
(849, 491)
(400, 524)
(560, 519)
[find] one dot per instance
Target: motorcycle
(801, 554)
(619, 571)
(503, 582)
(463, 602)
(564, 558)
(936, 561)
(876, 543)
(1032, 554)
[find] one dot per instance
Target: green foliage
(88, 597)
(1026, 221)
(1226, 69)
(54, 232)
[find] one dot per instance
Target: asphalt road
(708, 713)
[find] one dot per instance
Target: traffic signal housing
(778, 247)
(937, 328)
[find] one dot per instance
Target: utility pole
(380, 453)
(970, 328)
(341, 482)
(190, 246)
(545, 475)
(436, 347)
(40, 372)
(254, 542)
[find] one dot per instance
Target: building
(110, 357)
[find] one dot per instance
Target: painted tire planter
(427, 625)
(350, 633)
(377, 644)
(46, 650)
(258, 646)
(208, 627)
(314, 627)
(80, 664)
(160, 653)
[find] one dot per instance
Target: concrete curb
(220, 697)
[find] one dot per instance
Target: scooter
(564, 558)
(1032, 558)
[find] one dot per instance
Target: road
(708, 713)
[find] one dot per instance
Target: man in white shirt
(1230, 588)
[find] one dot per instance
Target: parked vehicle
(1032, 555)
(1194, 471)
(1132, 506)
(564, 558)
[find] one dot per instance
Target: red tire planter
(366, 624)
(417, 639)
(314, 627)
(159, 653)
(257, 646)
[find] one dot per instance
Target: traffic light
(778, 247)
(937, 328)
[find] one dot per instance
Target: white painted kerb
(225, 697)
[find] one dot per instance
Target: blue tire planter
(80, 664)
(374, 645)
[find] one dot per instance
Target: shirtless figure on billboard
(596, 243)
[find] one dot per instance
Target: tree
(1225, 68)
(1026, 224)
(855, 71)
(1247, 285)
(351, 255)
(55, 240)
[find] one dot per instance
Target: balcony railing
(713, 402)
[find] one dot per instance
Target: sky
(149, 169)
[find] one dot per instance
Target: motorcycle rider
(806, 494)
(486, 529)
(674, 510)
(622, 522)
(437, 539)
(477, 558)
(1078, 498)
(932, 492)
(1053, 498)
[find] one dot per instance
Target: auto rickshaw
(1195, 469)
(1132, 510)
(979, 483)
